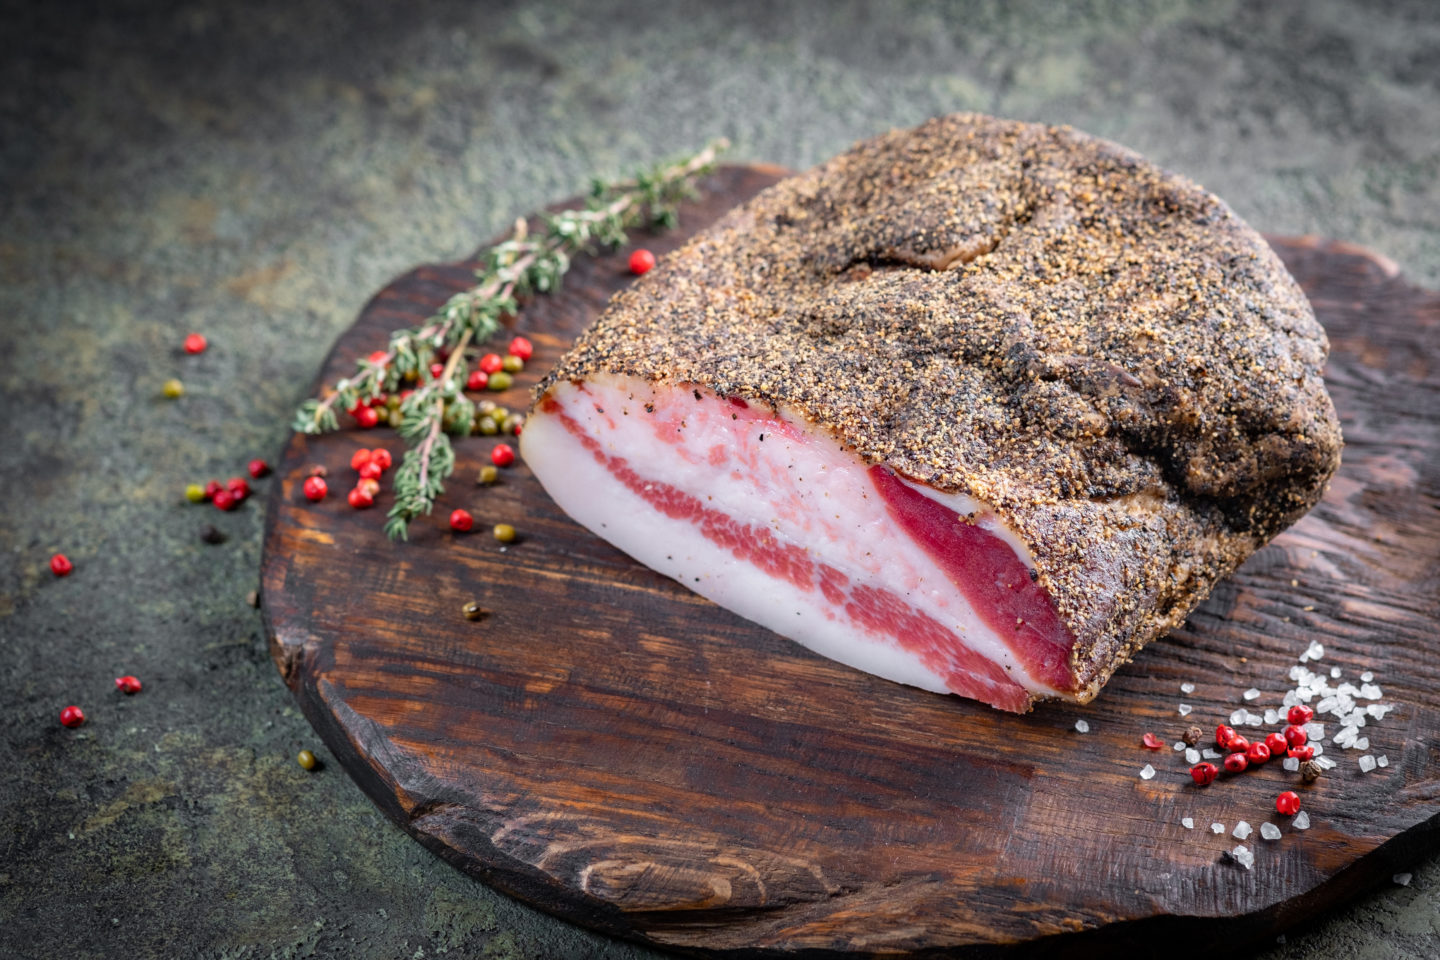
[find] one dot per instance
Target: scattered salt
(1241, 831)
(1367, 763)
(1237, 717)
(1269, 831)
(1325, 762)
(1192, 756)
(1362, 744)
(1179, 745)
(1244, 857)
(1253, 720)
(1081, 726)
(1315, 730)
(1326, 705)
(1272, 716)
(1209, 753)
(1319, 749)
(1335, 673)
(1301, 821)
(1316, 651)
(1402, 878)
(1217, 828)
(1291, 763)
(1188, 823)
(1147, 772)
(1378, 710)
(1382, 761)
(1184, 709)
(1251, 694)
(1366, 677)
(1370, 692)
(1187, 688)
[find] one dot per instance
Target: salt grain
(1237, 717)
(1187, 688)
(1315, 651)
(1147, 772)
(1366, 677)
(1315, 730)
(1301, 821)
(1179, 745)
(1403, 879)
(1382, 761)
(1370, 692)
(1184, 709)
(1335, 673)
(1269, 831)
(1192, 756)
(1325, 762)
(1188, 823)
(1251, 694)
(1217, 828)
(1272, 716)
(1253, 720)
(1244, 857)
(1209, 753)
(1367, 763)
(1081, 726)
(1291, 763)
(1241, 831)
(1362, 744)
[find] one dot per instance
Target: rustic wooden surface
(612, 748)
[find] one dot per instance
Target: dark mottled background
(256, 170)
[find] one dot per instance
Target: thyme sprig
(518, 266)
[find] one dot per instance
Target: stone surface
(255, 171)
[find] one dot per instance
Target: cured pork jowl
(982, 407)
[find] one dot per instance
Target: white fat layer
(796, 481)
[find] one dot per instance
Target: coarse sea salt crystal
(1315, 730)
(1253, 720)
(1378, 710)
(1316, 651)
(1217, 827)
(1301, 821)
(1244, 857)
(1188, 823)
(1326, 705)
(1403, 879)
(1192, 755)
(1209, 753)
(1269, 831)
(1291, 763)
(1251, 694)
(1367, 763)
(1184, 709)
(1147, 772)
(1366, 677)
(1241, 831)
(1272, 716)
(1382, 761)
(1369, 692)
(1187, 688)
(1081, 726)
(1361, 744)
(1335, 673)
(1179, 745)
(1325, 762)
(1237, 717)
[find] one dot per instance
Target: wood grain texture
(614, 749)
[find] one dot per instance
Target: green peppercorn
(486, 406)
(513, 423)
(500, 380)
(488, 427)
(195, 493)
(307, 760)
(473, 611)
(396, 418)
(512, 363)
(499, 413)
(488, 475)
(173, 388)
(504, 533)
(392, 402)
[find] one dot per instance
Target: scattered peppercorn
(72, 717)
(1236, 763)
(317, 470)
(210, 535)
(1238, 744)
(503, 455)
(641, 261)
(1295, 736)
(435, 370)
(60, 565)
(1223, 736)
(522, 348)
(195, 493)
(371, 487)
(128, 684)
(239, 488)
(359, 458)
(213, 487)
(1192, 736)
(315, 488)
(1151, 742)
(492, 363)
(1275, 742)
(367, 417)
(195, 343)
(473, 611)
(381, 458)
(500, 381)
(307, 760)
(512, 363)
(1204, 774)
(1288, 803)
(370, 471)
(1300, 714)
(1306, 752)
(395, 419)
(488, 475)
(258, 468)
(172, 388)
(378, 357)
(224, 500)
(461, 520)
(360, 499)
(504, 533)
(486, 426)
(1310, 770)
(477, 380)
(513, 423)
(1257, 753)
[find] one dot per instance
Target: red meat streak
(964, 671)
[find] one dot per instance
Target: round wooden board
(612, 748)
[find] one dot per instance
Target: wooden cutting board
(613, 749)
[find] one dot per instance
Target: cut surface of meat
(770, 518)
(1054, 394)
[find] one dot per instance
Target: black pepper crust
(1098, 349)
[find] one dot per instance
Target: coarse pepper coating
(1097, 348)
